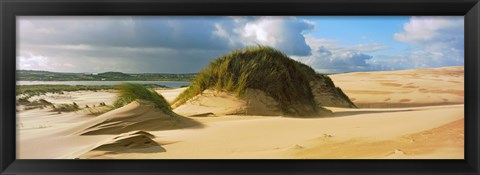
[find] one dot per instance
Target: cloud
(28, 61)
(168, 32)
(432, 29)
(285, 34)
(185, 44)
(439, 41)
(124, 59)
(329, 57)
(153, 40)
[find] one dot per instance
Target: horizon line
(199, 71)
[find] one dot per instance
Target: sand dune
(211, 102)
(137, 115)
(432, 132)
(216, 103)
(170, 94)
(131, 142)
(432, 129)
(406, 88)
(367, 134)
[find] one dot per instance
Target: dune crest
(130, 142)
(138, 115)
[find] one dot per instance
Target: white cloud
(428, 29)
(439, 41)
(29, 61)
(283, 33)
(369, 47)
(329, 57)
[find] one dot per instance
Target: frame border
(9, 9)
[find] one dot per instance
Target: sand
(430, 129)
(219, 103)
(406, 88)
(211, 103)
(137, 115)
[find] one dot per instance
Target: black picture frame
(9, 9)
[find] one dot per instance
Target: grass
(263, 68)
(23, 100)
(328, 81)
(99, 110)
(37, 104)
(129, 92)
(65, 108)
(40, 102)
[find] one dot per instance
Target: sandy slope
(211, 103)
(432, 132)
(217, 103)
(412, 132)
(421, 87)
(170, 94)
(361, 134)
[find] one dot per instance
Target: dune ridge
(138, 115)
(135, 141)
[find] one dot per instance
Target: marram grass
(129, 92)
(262, 68)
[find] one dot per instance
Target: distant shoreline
(104, 80)
(169, 84)
(27, 75)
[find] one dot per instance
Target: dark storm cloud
(123, 59)
(148, 44)
(170, 32)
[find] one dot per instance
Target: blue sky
(361, 29)
(168, 44)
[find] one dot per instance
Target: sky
(186, 44)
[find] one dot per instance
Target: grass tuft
(263, 68)
(65, 108)
(129, 92)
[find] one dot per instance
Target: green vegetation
(263, 68)
(40, 102)
(65, 108)
(129, 92)
(37, 104)
(328, 81)
(29, 75)
(101, 109)
(31, 90)
(23, 100)
(43, 89)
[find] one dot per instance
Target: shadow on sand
(351, 113)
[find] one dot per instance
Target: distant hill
(114, 74)
(31, 75)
